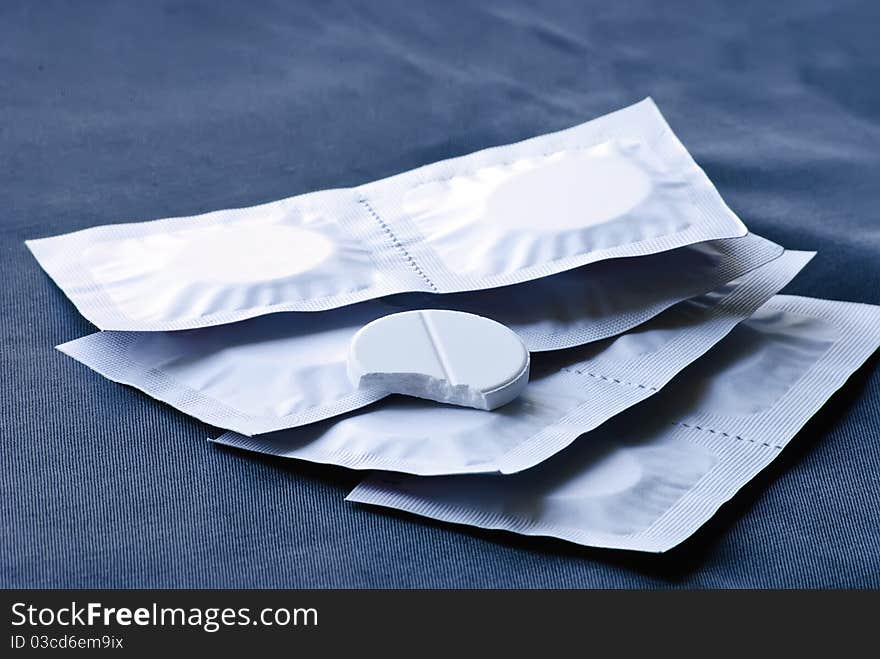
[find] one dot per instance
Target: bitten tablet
(446, 356)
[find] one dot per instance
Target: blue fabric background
(115, 111)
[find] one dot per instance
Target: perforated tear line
(394, 241)
(610, 379)
(725, 434)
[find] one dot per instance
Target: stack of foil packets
(666, 371)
